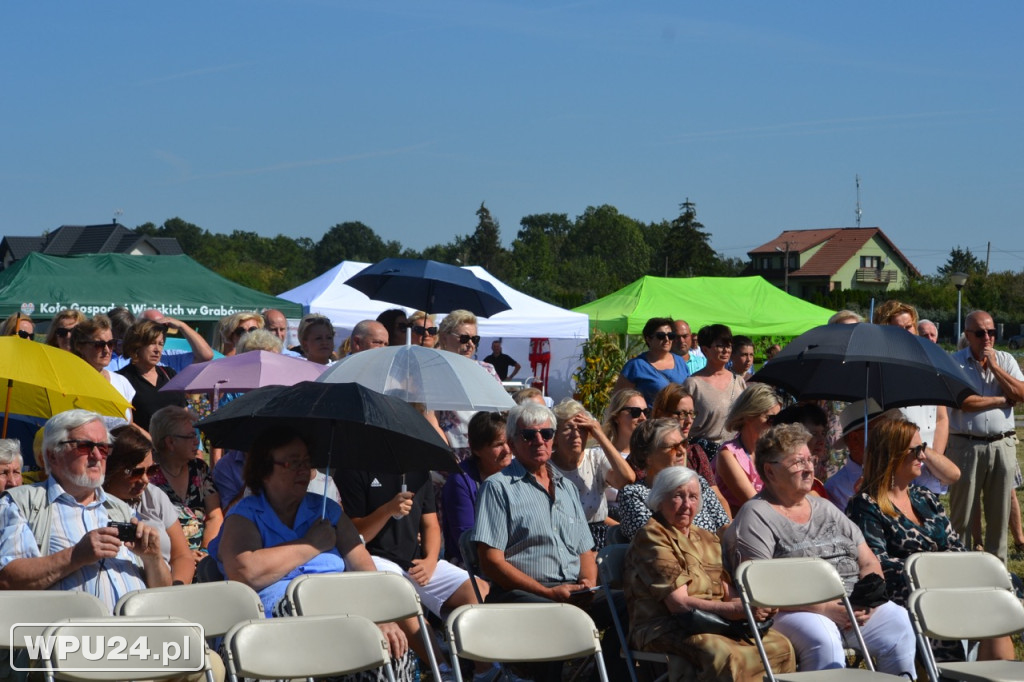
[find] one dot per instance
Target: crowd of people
(694, 463)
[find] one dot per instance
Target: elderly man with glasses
(982, 436)
(531, 535)
(55, 534)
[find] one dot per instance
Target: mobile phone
(125, 531)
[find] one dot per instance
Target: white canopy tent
(528, 318)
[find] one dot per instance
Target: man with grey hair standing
(55, 534)
(982, 436)
(368, 334)
(928, 330)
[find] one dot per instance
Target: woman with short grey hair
(666, 484)
(10, 464)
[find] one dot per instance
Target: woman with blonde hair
(593, 470)
(424, 331)
(61, 326)
(316, 338)
(735, 466)
(233, 327)
(626, 409)
(18, 324)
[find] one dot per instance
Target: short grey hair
(531, 414)
(163, 421)
(259, 339)
(60, 425)
(567, 409)
(777, 443)
(667, 482)
(10, 449)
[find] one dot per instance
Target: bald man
(368, 334)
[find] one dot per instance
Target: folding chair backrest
(216, 606)
(311, 646)
(132, 629)
(44, 606)
(381, 597)
(521, 632)
(471, 562)
(611, 561)
(956, 569)
(780, 583)
(966, 613)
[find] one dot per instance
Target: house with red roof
(809, 262)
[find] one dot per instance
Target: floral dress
(192, 509)
(634, 512)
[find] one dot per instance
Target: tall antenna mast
(858, 211)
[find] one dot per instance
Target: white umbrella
(441, 380)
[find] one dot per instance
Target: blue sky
(290, 117)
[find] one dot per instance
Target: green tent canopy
(748, 305)
(178, 286)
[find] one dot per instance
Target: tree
(351, 241)
(536, 259)
(613, 245)
(484, 245)
(961, 260)
(687, 246)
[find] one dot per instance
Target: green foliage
(352, 241)
(603, 357)
(483, 247)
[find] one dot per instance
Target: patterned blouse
(893, 539)
(191, 510)
(634, 512)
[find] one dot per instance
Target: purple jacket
(458, 505)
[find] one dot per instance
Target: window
(871, 262)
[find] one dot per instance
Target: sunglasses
(530, 435)
(100, 345)
(918, 450)
(635, 412)
(24, 334)
(466, 338)
(84, 448)
(64, 332)
(428, 331)
(978, 333)
(244, 330)
(295, 465)
(662, 336)
(136, 473)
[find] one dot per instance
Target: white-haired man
(54, 534)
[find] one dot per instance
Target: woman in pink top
(750, 416)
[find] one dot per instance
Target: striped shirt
(108, 579)
(540, 536)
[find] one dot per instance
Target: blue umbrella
(429, 286)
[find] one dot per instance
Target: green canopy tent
(748, 305)
(178, 286)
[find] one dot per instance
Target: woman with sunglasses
(232, 328)
(129, 466)
(899, 518)
(424, 331)
(736, 473)
(18, 324)
(93, 341)
(651, 371)
(61, 326)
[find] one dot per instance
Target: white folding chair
(41, 606)
(218, 607)
(789, 583)
(81, 666)
(522, 633)
(966, 613)
(310, 646)
(610, 561)
(955, 569)
(381, 597)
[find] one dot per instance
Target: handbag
(700, 622)
(869, 592)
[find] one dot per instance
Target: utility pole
(858, 211)
(785, 286)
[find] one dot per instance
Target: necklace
(172, 473)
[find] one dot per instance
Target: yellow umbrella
(43, 381)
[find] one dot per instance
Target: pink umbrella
(243, 372)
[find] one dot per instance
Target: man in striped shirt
(54, 534)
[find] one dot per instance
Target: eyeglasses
(244, 330)
(635, 412)
(295, 465)
(136, 473)
(679, 445)
(917, 451)
(466, 338)
(63, 332)
(426, 331)
(978, 333)
(722, 346)
(189, 436)
(24, 334)
(84, 448)
(100, 345)
(662, 336)
(798, 463)
(685, 415)
(530, 435)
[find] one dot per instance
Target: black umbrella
(428, 286)
(858, 361)
(349, 426)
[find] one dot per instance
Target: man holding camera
(56, 534)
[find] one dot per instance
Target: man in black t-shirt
(502, 362)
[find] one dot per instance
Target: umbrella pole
(327, 475)
(7, 405)
(867, 388)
